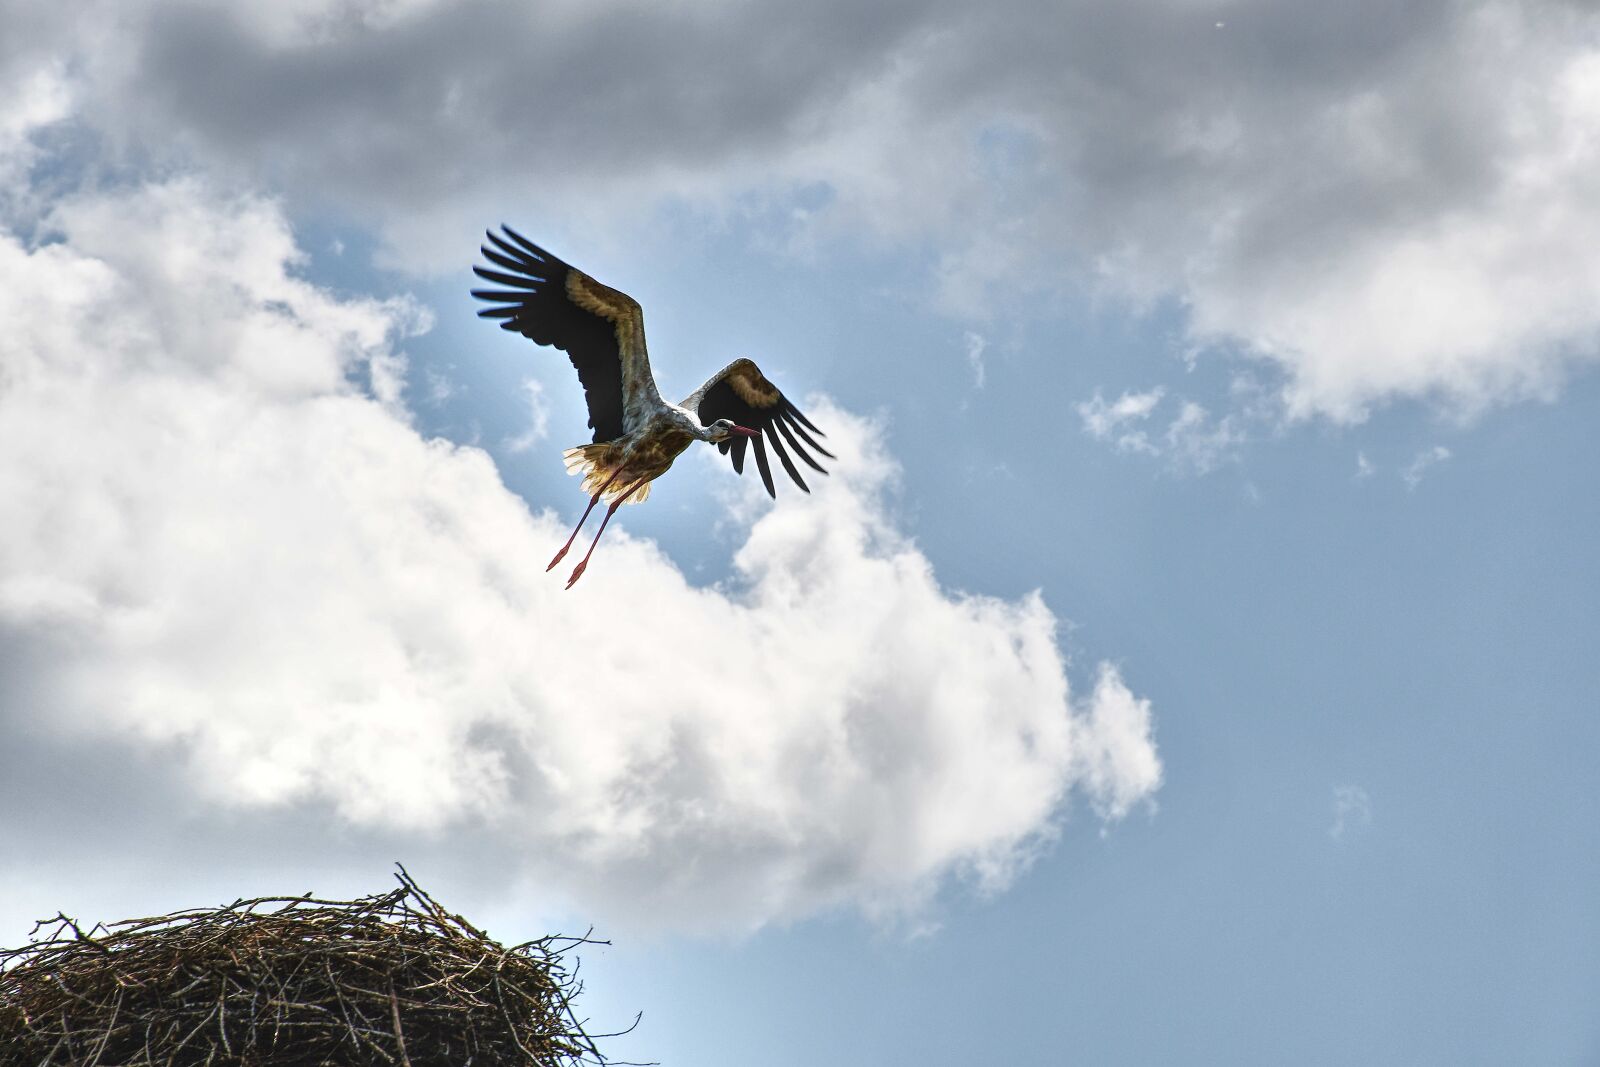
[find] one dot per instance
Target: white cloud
(1193, 440)
(1118, 762)
(440, 387)
(34, 100)
(234, 566)
(41, 98)
(1364, 467)
(1352, 811)
(1117, 421)
(1413, 472)
(538, 418)
(976, 343)
(1486, 298)
(1199, 442)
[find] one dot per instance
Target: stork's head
(723, 429)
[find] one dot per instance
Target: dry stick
(399, 1034)
(105, 1038)
(66, 1029)
(343, 1005)
(191, 1033)
(222, 1014)
(52, 1054)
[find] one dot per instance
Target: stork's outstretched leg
(612, 510)
(592, 502)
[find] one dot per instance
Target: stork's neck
(687, 419)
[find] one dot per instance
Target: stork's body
(637, 434)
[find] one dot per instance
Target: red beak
(747, 431)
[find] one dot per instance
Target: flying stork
(637, 434)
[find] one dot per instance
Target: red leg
(592, 502)
(612, 510)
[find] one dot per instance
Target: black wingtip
(782, 426)
(525, 267)
(783, 457)
(538, 253)
(763, 466)
(528, 256)
(787, 420)
(501, 278)
(797, 413)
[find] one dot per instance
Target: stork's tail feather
(595, 465)
(584, 459)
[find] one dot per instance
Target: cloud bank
(228, 557)
(1381, 201)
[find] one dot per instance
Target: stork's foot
(576, 574)
(559, 556)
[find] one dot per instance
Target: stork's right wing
(742, 393)
(600, 329)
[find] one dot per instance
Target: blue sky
(1189, 659)
(1375, 840)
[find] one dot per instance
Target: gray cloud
(483, 93)
(1380, 200)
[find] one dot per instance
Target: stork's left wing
(742, 393)
(602, 330)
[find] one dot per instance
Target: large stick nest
(290, 982)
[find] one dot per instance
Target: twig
(399, 1032)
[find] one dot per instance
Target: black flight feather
(535, 304)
